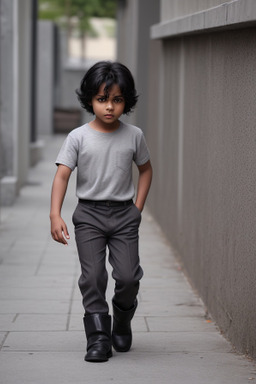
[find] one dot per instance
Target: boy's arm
(59, 229)
(144, 182)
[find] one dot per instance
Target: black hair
(110, 73)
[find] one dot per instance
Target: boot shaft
(97, 323)
(98, 332)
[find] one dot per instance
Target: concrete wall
(204, 191)
(134, 48)
(201, 132)
(15, 96)
(23, 90)
(71, 79)
(128, 33)
(7, 84)
(178, 8)
(226, 15)
(45, 77)
(203, 152)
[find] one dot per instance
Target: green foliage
(75, 15)
(50, 10)
(59, 10)
(83, 9)
(107, 8)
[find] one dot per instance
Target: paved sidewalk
(41, 333)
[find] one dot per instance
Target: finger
(63, 237)
(58, 236)
(65, 231)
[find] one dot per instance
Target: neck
(101, 127)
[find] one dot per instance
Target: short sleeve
(142, 153)
(68, 153)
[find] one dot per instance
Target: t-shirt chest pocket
(124, 159)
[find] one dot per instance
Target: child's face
(108, 109)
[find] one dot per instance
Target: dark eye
(118, 100)
(101, 99)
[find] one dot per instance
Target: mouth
(109, 116)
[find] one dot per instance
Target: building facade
(199, 118)
(18, 139)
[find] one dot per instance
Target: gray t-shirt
(104, 161)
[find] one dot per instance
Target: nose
(109, 105)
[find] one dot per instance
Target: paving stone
(66, 368)
(47, 341)
(35, 282)
(42, 322)
(179, 342)
(179, 324)
(34, 306)
(3, 336)
(6, 321)
(19, 270)
(30, 293)
(149, 308)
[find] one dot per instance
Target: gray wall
(204, 152)
(23, 90)
(178, 8)
(134, 48)
(204, 161)
(7, 84)
(45, 77)
(201, 132)
(15, 84)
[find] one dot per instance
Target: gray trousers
(99, 227)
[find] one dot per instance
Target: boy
(103, 152)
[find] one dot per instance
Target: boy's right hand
(59, 230)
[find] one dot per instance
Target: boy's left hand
(59, 230)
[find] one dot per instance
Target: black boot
(122, 333)
(98, 332)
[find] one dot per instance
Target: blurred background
(194, 67)
(46, 47)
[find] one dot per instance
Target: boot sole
(99, 359)
(117, 349)
(126, 343)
